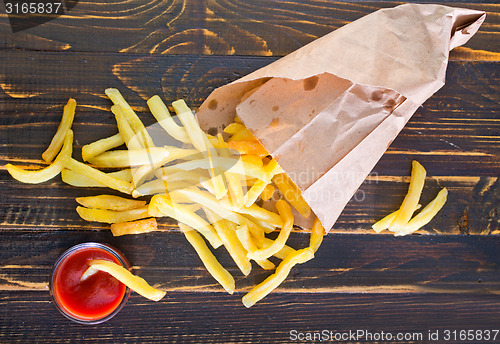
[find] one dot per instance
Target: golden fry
(134, 227)
(99, 176)
(317, 233)
(211, 264)
(227, 234)
(248, 147)
(133, 120)
(292, 194)
(131, 139)
(383, 224)
(184, 215)
(75, 179)
(136, 283)
(281, 254)
(259, 213)
(287, 218)
(411, 199)
(272, 282)
(100, 146)
(233, 128)
(49, 172)
(267, 193)
(111, 216)
(243, 135)
(201, 142)
(110, 202)
(426, 214)
(246, 240)
(65, 125)
(162, 115)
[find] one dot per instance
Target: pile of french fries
(212, 186)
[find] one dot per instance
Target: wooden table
(448, 279)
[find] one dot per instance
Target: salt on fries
(209, 185)
(400, 221)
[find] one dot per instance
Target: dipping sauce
(97, 298)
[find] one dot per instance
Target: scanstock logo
(27, 14)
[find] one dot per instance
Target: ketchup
(96, 298)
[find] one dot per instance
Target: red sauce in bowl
(97, 298)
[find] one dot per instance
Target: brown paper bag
(328, 111)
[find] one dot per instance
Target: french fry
(99, 176)
(426, 214)
(257, 231)
(258, 187)
(208, 201)
(200, 141)
(252, 159)
(162, 115)
(227, 234)
(272, 282)
(110, 202)
(131, 157)
(111, 216)
(233, 128)
(132, 118)
(383, 224)
(207, 184)
(287, 218)
(100, 146)
(266, 226)
(243, 135)
(159, 186)
(218, 272)
(75, 179)
(205, 199)
(49, 172)
(131, 139)
(182, 214)
(136, 283)
(227, 164)
(234, 181)
(317, 233)
(134, 227)
(147, 170)
(281, 254)
(267, 193)
(65, 125)
(246, 240)
(411, 199)
(248, 147)
(292, 194)
(273, 219)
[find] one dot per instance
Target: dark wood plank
(191, 319)
(257, 28)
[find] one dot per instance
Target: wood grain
(193, 320)
(214, 27)
(186, 49)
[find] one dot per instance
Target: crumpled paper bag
(329, 110)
